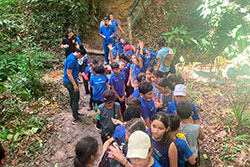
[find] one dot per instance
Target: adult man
(115, 23)
(107, 32)
(71, 72)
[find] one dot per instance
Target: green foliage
(238, 97)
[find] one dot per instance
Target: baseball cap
(108, 96)
(138, 145)
(180, 90)
(129, 53)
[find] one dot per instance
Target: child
(3, 156)
(147, 103)
(176, 79)
(166, 94)
(155, 77)
(182, 146)
(193, 132)
(134, 69)
(149, 74)
(117, 84)
(180, 95)
(140, 151)
(108, 110)
(139, 78)
(99, 84)
(165, 151)
(86, 152)
(90, 72)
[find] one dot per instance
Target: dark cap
(108, 96)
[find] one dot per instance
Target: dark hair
(164, 118)
(84, 149)
(150, 69)
(114, 65)
(164, 82)
(161, 41)
(106, 18)
(125, 58)
(174, 122)
(140, 77)
(135, 124)
(111, 13)
(82, 50)
(93, 61)
(2, 153)
(134, 101)
(133, 111)
(99, 69)
(145, 87)
(69, 30)
(184, 109)
(177, 79)
(157, 73)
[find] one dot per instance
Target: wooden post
(130, 31)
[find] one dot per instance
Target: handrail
(130, 24)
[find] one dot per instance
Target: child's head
(134, 60)
(149, 73)
(184, 110)
(86, 151)
(140, 77)
(122, 64)
(133, 111)
(161, 41)
(134, 125)
(174, 122)
(140, 149)
(160, 128)
(99, 69)
(176, 79)
(180, 91)
(115, 68)
(92, 62)
(134, 101)
(108, 98)
(3, 156)
(146, 90)
(156, 76)
(165, 86)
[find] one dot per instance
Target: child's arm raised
(201, 134)
(173, 155)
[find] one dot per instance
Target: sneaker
(79, 81)
(76, 121)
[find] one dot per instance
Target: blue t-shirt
(136, 93)
(126, 71)
(115, 23)
(135, 69)
(107, 32)
(172, 110)
(118, 82)
(120, 133)
(72, 64)
(99, 82)
(183, 151)
(156, 164)
(162, 54)
(148, 108)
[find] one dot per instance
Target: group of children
(144, 116)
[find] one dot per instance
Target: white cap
(180, 90)
(138, 145)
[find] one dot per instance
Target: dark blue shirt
(118, 82)
(120, 133)
(99, 82)
(183, 151)
(126, 71)
(72, 64)
(148, 108)
(107, 32)
(136, 93)
(172, 110)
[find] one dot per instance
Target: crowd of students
(140, 103)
